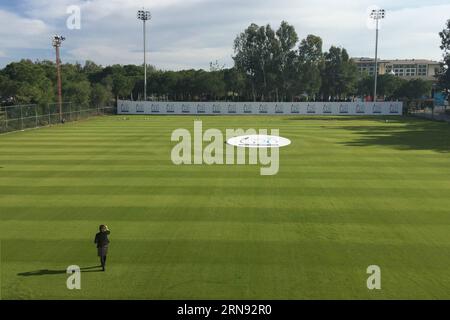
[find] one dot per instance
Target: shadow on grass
(341, 118)
(411, 135)
(46, 272)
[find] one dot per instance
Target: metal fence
(21, 117)
(428, 113)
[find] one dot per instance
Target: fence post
(49, 121)
(35, 113)
(6, 118)
(21, 117)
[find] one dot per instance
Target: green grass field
(351, 192)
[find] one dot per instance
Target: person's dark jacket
(101, 239)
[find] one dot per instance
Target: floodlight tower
(144, 16)
(377, 15)
(57, 41)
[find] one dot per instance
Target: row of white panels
(261, 108)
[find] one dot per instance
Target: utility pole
(144, 16)
(377, 15)
(57, 41)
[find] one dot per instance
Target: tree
(79, 93)
(100, 95)
(27, 83)
(269, 66)
(216, 85)
(288, 38)
(8, 89)
(310, 62)
(122, 85)
(171, 79)
(256, 49)
(339, 75)
(90, 68)
(270, 52)
(235, 84)
(444, 75)
(414, 89)
(388, 85)
(365, 85)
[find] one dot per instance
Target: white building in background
(406, 69)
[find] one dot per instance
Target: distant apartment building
(406, 69)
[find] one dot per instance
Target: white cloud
(51, 9)
(191, 33)
(19, 32)
(412, 33)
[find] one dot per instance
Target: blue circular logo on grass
(259, 141)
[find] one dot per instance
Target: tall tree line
(269, 65)
(279, 68)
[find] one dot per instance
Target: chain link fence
(427, 110)
(433, 114)
(27, 116)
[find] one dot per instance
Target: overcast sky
(192, 33)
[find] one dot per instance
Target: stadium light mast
(144, 16)
(57, 41)
(377, 15)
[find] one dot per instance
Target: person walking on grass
(102, 242)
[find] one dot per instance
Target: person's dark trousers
(103, 262)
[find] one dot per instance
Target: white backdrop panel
(260, 108)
